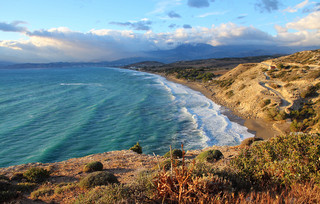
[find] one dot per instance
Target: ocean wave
(216, 128)
(80, 84)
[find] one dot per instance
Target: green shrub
(166, 164)
(137, 148)
(249, 141)
(281, 160)
(113, 193)
(45, 191)
(36, 174)
(26, 187)
(93, 166)
(176, 153)
(64, 187)
(209, 156)
(99, 178)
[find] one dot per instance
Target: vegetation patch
(93, 166)
(99, 178)
(209, 156)
(36, 174)
(42, 192)
(137, 148)
(224, 83)
(311, 91)
(281, 160)
(113, 193)
(265, 102)
(249, 141)
(176, 153)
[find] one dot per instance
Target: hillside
(284, 90)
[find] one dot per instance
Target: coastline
(258, 127)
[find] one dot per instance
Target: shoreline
(258, 127)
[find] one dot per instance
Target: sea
(53, 114)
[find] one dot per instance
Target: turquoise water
(49, 115)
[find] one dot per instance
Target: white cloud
(304, 32)
(211, 14)
(297, 7)
(312, 21)
(63, 44)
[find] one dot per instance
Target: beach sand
(258, 127)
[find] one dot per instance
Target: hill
(283, 90)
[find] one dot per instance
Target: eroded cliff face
(278, 90)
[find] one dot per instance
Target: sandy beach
(258, 127)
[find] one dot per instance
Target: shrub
(176, 153)
(265, 102)
(137, 148)
(2, 177)
(65, 187)
(249, 141)
(183, 187)
(310, 92)
(93, 166)
(26, 187)
(113, 193)
(99, 178)
(41, 192)
(281, 160)
(242, 87)
(36, 174)
(209, 156)
(230, 93)
(166, 164)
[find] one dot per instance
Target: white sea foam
(80, 84)
(215, 127)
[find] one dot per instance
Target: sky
(105, 30)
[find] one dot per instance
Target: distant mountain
(2, 63)
(184, 52)
(205, 51)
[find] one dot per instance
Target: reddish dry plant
(182, 187)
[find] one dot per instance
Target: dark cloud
(172, 26)
(199, 3)
(13, 27)
(187, 26)
(314, 8)
(140, 25)
(173, 14)
(241, 17)
(267, 5)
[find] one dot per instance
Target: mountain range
(182, 52)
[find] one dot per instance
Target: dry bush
(182, 186)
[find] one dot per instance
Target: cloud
(63, 44)
(199, 3)
(297, 7)
(309, 22)
(313, 8)
(267, 5)
(13, 27)
(173, 14)
(242, 16)
(304, 32)
(211, 14)
(143, 24)
(172, 25)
